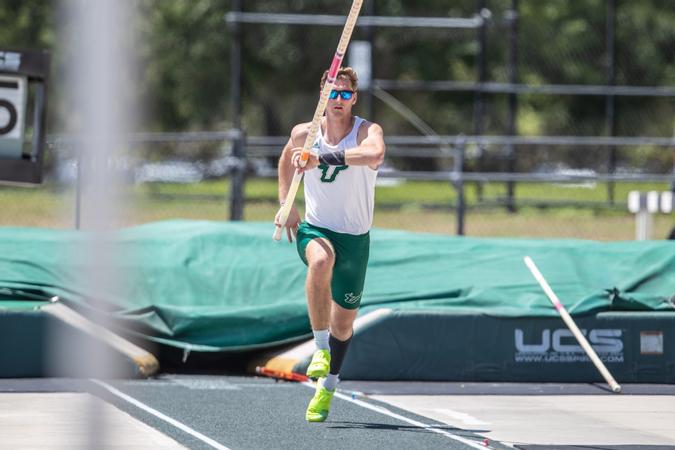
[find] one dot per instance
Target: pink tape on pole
(335, 66)
(558, 306)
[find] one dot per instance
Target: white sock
(331, 381)
(321, 339)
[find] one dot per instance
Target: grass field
(583, 211)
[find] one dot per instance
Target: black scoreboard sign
(21, 156)
(13, 97)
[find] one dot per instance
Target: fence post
(644, 206)
(610, 108)
(458, 182)
(237, 178)
(479, 105)
(513, 100)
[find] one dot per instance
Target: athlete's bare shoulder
(299, 133)
(368, 128)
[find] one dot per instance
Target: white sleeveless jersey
(340, 198)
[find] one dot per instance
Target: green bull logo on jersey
(326, 169)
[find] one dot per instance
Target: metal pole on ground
(616, 388)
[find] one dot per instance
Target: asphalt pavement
(236, 412)
(226, 412)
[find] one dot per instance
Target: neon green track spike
(320, 364)
(318, 408)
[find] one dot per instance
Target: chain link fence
(191, 179)
(162, 180)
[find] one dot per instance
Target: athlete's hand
(312, 162)
(292, 223)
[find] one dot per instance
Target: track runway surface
(234, 412)
(258, 413)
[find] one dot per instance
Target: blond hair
(345, 73)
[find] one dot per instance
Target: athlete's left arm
(371, 148)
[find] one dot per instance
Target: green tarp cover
(212, 286)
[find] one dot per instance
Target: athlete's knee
(321, 259)
(341, 331)
(321, 262)
(341, 324)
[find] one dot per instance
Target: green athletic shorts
(351, 261)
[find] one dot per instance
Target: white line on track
(386, 412)
(181, 426)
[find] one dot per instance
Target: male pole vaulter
(334, 239)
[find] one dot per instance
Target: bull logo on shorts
(351, 298)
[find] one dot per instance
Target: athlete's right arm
(285, 173)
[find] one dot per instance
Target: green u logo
(326, 168)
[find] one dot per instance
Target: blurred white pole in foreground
(96, 46)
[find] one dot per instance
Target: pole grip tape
(334, 67)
